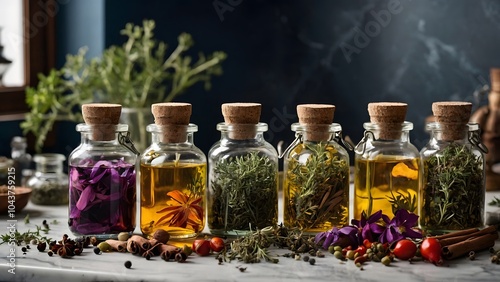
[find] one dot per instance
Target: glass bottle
(243, 174)
(49, 183)
(387, 166)
(453, 193)
(102, 177)
(22, 160)
(316, 172)
(172, 175)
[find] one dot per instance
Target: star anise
(182, 210)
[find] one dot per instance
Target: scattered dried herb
(25, 237)
(453, 195)
(244, 191)
(317, 190)
(495, 202)
(252, 248)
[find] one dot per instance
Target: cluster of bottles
(235, 188)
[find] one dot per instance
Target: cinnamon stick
(478, 243)
(456, 239)
(169, 251)
(456, 233)
(120, 246)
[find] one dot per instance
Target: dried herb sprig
(401, 201)
(19, 238)
(495, 202)
(244, 192)
(453, 195)
(252, 247)
(318, 188)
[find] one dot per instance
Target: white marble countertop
(38, 266)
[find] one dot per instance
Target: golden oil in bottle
(173, 198)
(387, 183)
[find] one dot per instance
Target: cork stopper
(317, 118)
(173, 118)
(243, 117)
(388, 116)
(495, 79)
(103, 118)
(453, 117)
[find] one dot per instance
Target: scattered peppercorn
(220, 260)
(312, 261)
(28, 247)
(97, 251)
(305, 258)
(472, 255)
(24, 249)
(128, 264)
(45, 224)
(50, 253)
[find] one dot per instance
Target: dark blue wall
(348, 53)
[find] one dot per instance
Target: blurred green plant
(135, 75)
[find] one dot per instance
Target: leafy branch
(135, 75)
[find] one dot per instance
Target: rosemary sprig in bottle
(244, 192)
(454, 193)
(318, 189)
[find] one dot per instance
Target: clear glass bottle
(22, 160)
(102, 177)
(453, 192)
(387, 167)
(243, 175)
(49, 183)
(172, 175)
(316, 175)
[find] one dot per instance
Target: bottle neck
(166, 138)
(399, 132)
(256, 136)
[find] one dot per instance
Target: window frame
(39, 55)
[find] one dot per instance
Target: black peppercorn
(97, 251)
(24, 249)
(50, 253)
(305, 258)
(128, 264)
(312, 261)
(28, 247)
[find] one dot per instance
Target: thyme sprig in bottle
(453, 194)
(316, 173)
(243, 193)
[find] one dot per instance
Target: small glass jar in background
(102, 177)
(173, 175)
(453, 192)
(316, 172)
(243, 174)
(49, 183)
(387, 165)
(22, 159)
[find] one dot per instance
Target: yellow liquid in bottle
(386, 184)
(173, 199)
(316, 189)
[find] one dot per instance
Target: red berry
(405, 249)
(217, 244)
(431, 250)
(201, 247)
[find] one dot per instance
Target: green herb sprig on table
(19, 238)
(318, 188)
(495, 202)
(244, 191)
(453, 194)
(135, 75)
